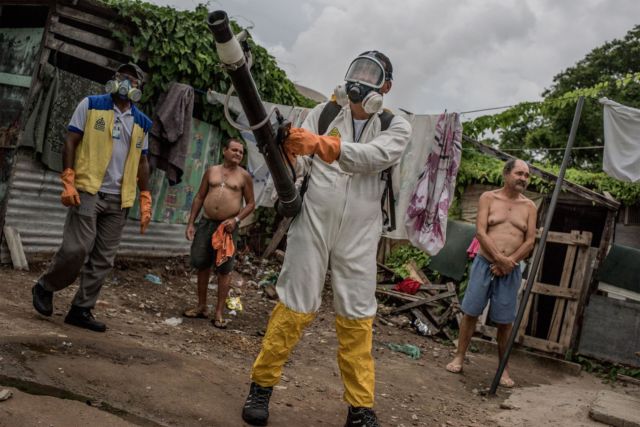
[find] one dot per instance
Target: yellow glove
(69, 196)
(145, 210)
(301, 142)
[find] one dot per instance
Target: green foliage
(606, 370)
(611, 70)
(178, 46)
(401, 255)
(266, 219)
(479, 168)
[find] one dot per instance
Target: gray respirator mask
(123, 89)
(363, 82)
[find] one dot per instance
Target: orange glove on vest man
(145, 210)
(301, 142)
(69, 196)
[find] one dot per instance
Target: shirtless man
(221, 192)
(506, 230)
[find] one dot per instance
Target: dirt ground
(143, 371)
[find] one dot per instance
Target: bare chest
(221, 180)
(508, 214)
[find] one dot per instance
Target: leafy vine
(479, 168)
(178, 46)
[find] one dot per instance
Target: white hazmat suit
(338, 227)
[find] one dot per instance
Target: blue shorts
(483, 286)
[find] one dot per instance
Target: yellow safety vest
(94, 151)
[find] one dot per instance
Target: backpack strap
(329, 112)
(388, 201)
(385, 119)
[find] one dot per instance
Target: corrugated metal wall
(34, 209)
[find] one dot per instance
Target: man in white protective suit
(339, 226)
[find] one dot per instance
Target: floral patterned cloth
(426, 218)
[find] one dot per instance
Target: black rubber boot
(82, 317)
(256, 407)
(42, 300)
(361, 417)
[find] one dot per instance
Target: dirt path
(144, 372)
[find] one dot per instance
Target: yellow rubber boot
(355, 338)
(283, 333)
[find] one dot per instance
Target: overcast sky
(455, 55)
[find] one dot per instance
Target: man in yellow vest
(105, 155)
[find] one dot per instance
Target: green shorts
(203, 255)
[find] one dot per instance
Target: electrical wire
(593, 147)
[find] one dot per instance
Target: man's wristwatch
(237, 220)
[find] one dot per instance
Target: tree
(611, 70)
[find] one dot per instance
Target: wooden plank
(415, 273)
(15, 80)
(18, 258)
(578, 284)
(525, 319)
(281, 231)
(526, 341)
(533, 317)
(433, 287)
(605, 241)
(398, 295)
(80, 53)
(579, 190)
(455, 301)
(83, 17)
(527, 310)
(83, 36)
(628, 379)
(555, 291)
(543, 345)
(565, 280)
(423, 301)
(385, 268)
(36, 77)
(564, 238)
(445, 316)
(618, 293)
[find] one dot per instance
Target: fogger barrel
(232, 56)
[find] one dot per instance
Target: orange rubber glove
(145, 210)
(301, 142)
(69, 196)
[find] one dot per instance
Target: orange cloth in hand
(145, 210)
(69, 196)
(301, 142)
(222, 243)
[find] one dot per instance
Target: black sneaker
(256, 407)
(361, 417)
(82, 317)
(42, 300)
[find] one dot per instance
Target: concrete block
(616, 409)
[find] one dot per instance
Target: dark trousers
(92, 233)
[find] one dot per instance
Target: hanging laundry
(171, 132)
(621, 141)
(426, 218)
(46, 127)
